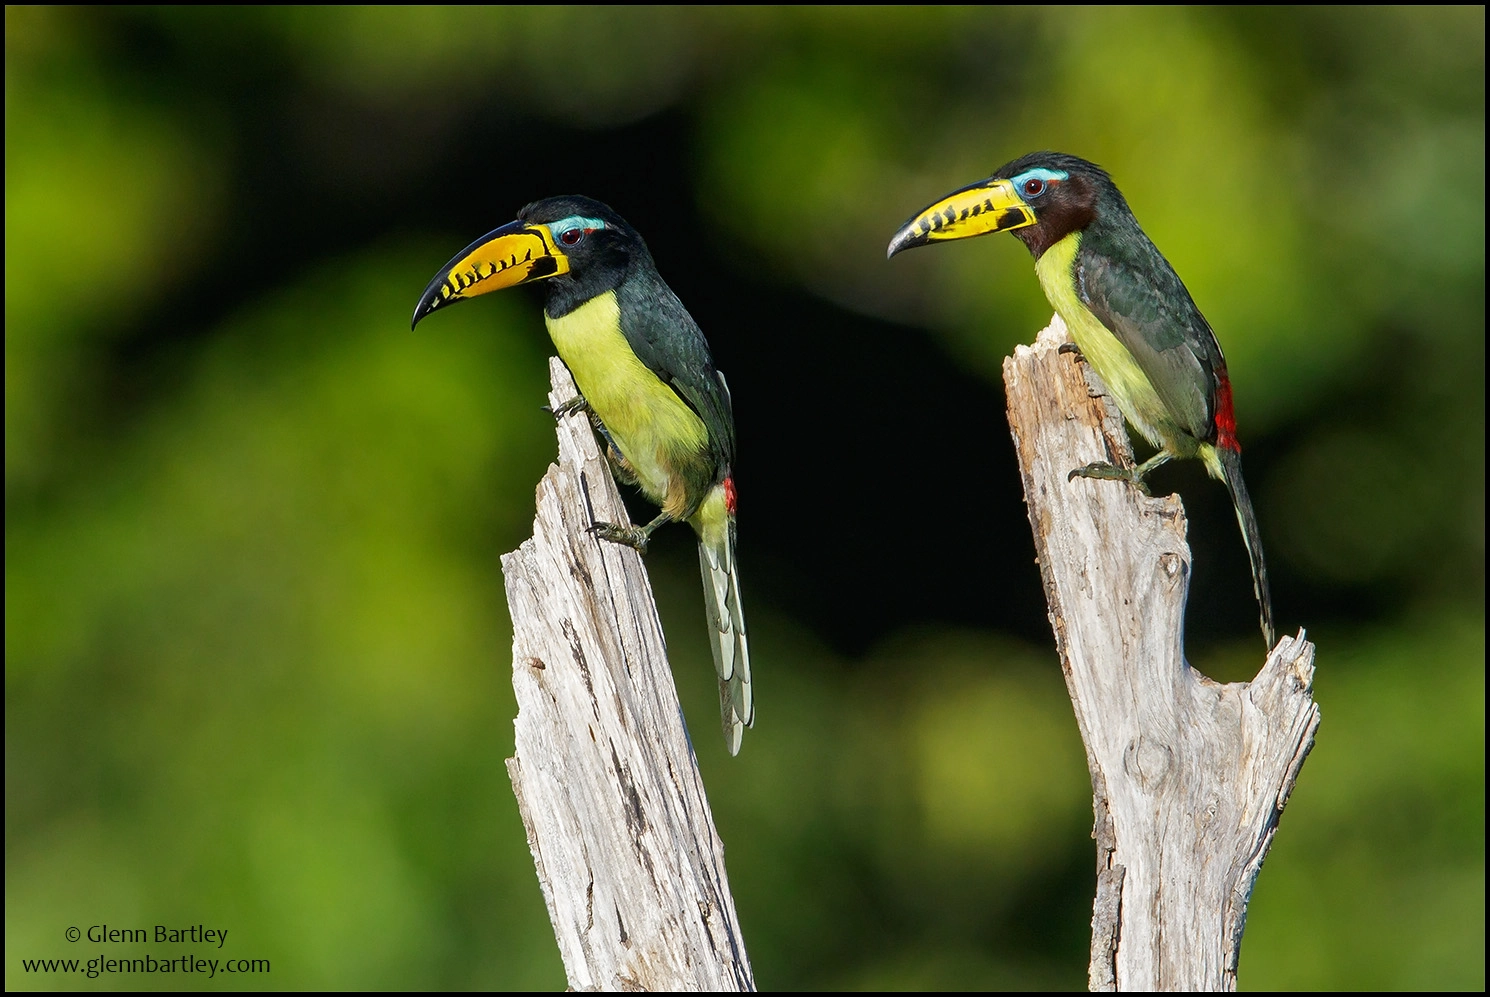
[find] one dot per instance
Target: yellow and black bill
(977, 209)
(514, 254)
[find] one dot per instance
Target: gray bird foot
(575, 404)
(1109, 472)
(631, 536)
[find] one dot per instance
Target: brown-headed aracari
(646, 376)
(1129, 313)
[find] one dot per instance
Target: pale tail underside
(726, 623)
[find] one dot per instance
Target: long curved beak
(514, 254)
(977, 209)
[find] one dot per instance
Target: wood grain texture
(1189, 776)
(629, 860)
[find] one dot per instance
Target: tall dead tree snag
(1189, 776)
(630, 863)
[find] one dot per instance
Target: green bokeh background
(256, 643)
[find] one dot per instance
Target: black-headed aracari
(1127, 310)
(646, 376)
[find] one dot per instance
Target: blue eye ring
(570, 232)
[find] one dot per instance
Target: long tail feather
(727, 636)
(1231, 468)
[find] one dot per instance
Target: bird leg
(1111, 472)
(632, 536)
(620, 467)
(1072, 348)
(635, 537)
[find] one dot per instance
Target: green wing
(664, 337)
(1137, 295)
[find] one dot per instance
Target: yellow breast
(650, 424)
(1130, 387)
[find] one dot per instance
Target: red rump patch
(729, 495)
(1225, 415)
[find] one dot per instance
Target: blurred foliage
(255, 634)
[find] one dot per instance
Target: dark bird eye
(1034, 187)
(572, 236)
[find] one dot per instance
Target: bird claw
(631, 536)
(1108, 472)
(575, 404)
(1072, 348)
